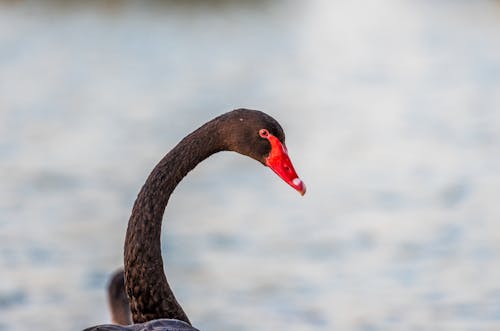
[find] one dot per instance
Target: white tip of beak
(299, 185)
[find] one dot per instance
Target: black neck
(147, 287)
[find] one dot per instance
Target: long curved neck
(149, 293)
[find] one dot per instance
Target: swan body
(248, 132)
(162, 324)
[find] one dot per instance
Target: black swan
(248, 132)
(118, 300)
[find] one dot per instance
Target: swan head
(259, 136)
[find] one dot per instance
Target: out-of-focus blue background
(392, 114)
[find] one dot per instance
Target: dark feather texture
(149, 293)
(156, 325)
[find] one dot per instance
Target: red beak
(280, 163)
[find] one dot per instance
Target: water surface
(391, 110)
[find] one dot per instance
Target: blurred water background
(392, 114)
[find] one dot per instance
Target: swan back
(163, 324)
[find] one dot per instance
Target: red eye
(263, 133)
